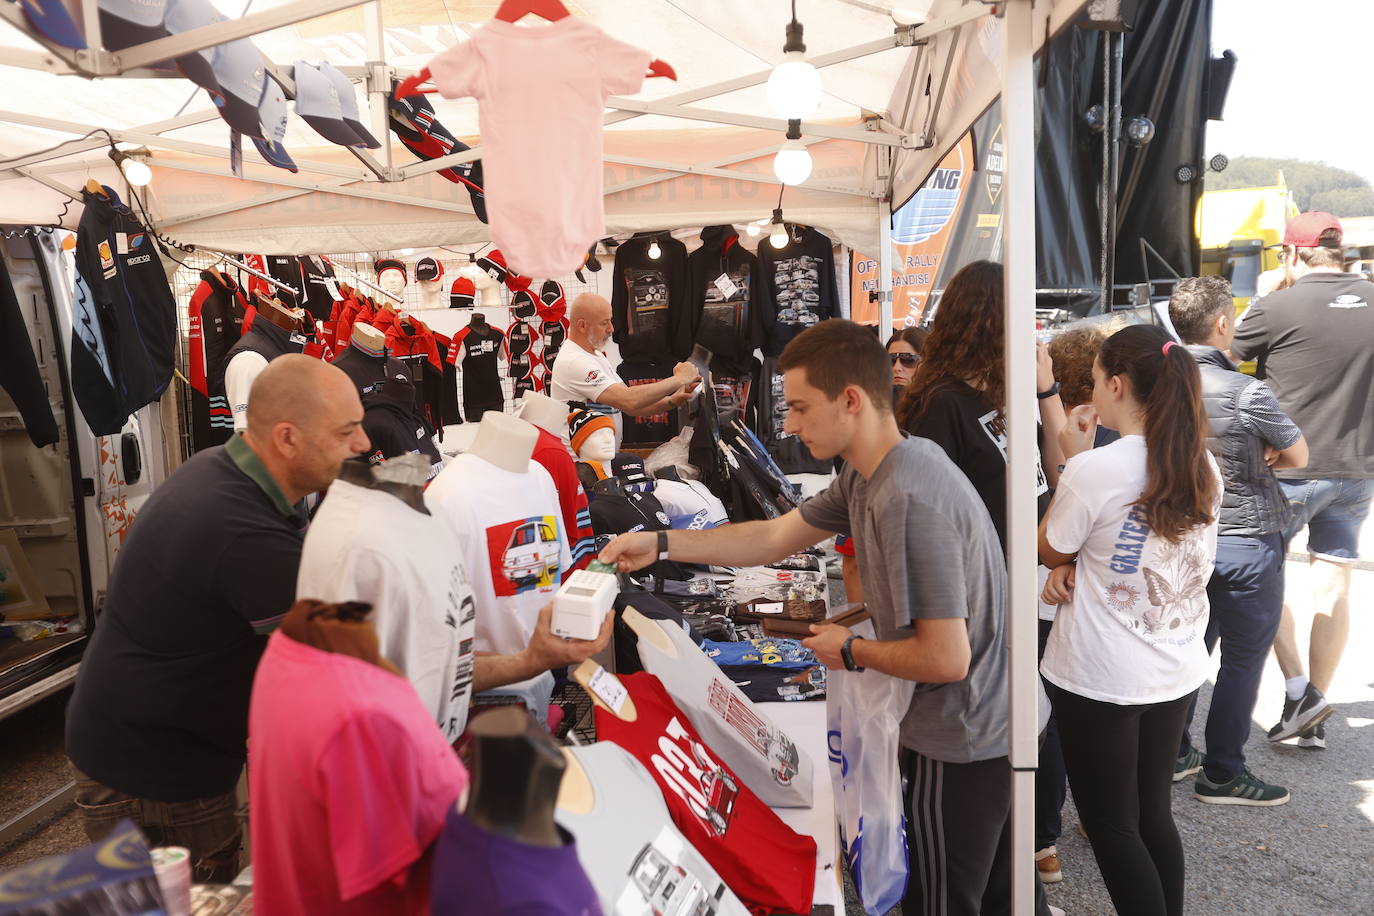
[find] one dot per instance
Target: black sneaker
(1314, 739)
(1301, 715)
(1245, 789)
(1188, 764)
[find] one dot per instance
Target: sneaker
(1245, 789)
(1188, 764)
(1314, 739)
(1054, 910)
(1047, 865)
(1301, 714)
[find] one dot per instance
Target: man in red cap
(1312, 341)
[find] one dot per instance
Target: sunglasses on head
(906, 359)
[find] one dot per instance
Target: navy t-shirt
(160, 709)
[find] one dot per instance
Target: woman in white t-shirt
(1130, 538)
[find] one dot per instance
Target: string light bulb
(135, 171)
(753, 230)
(654, 251)
(778, 238)
(792, 164)
(794, 86)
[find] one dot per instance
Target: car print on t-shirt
(797, 281)
(524, 555)
(703, 784)
(648, 301)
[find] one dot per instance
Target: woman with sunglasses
(904, 349)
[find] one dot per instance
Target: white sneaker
(1054, 910)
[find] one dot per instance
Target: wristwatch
(847, 654)
(1048, 392)
(663, 545)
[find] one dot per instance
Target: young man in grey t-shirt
(935, 584)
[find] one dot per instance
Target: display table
(805, 724)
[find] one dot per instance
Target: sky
(1302, 87)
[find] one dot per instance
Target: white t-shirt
(1133, 633)
(367, 545)
(582, 376)
(511, 540)
(239, 376)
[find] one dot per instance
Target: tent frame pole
(884, 210)
(1018, 107)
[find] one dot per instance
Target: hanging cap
(553, 303)
(1305, 230)
(242, 80)
(272, 115)
(125, 23)
(348, 105)
(385, 264)
(51, 18)
(429, 269)
(412, 119)
(463, 294)
(320, 105)
(582, 423)
(493, 264)
(183, 16)
(522, 304)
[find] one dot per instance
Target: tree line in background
(1315, 185)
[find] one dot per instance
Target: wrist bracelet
(663, 545)
(1048, 392)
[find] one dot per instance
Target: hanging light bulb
(794, 86)
(407, 252)
(792, 164)
(135, 171)
(778, 238)
(753, 230)
(654, 251)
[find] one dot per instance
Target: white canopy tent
(695, 152)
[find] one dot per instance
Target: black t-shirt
(479, 359)
(1315, 346)
(209, 568)
(960, 420)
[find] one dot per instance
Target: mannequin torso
(505, 442)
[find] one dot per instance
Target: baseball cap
(630, 469)
(348, 105)
(1305, 230)
(493, 264)
(385, 264)
(522, 304)
(412, 119)
(125, 23)
(52, 18)
(517, 282)
(552, 301)
(242, 80)
(183, 16)
(272, 114)
(429, 269)
(463, 294)
(320, 105)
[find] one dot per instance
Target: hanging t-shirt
(797, 288)
(739, 733)
(215, 316)
(368, 545)
(478, 354)
(649, 300)
(544, 198)
(722, 285)
(770, 868)
(321, 289)
(511, 542)
(1133, 633)
(582, 376)
(770, 409)
(480, 873)
(349, 782)
(637, 861)
(654, 429)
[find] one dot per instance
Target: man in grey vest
(1249, 434)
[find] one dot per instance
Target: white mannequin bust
(543, 411)
(505, 441)
(599, 446)
(394, 282)
(488, 290)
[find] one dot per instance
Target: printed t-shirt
(477, 351)
(544, 199)
(368, 545)
(348, 781)
(582, 376)
(480, 873)
(1133, 633)
(927, 550)
(629, 847)
(740, 734)
(763, 650)
(511, 543)
(160, 709)
(769, 867)
(771, 684)
(553, 455)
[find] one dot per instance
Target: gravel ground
(1313, 856)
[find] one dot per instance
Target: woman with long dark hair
(1130, 538)
(958, 393)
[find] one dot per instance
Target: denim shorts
(1333, 511)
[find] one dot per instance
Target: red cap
(462, 294)
(1305, 230)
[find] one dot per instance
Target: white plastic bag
(864, 713)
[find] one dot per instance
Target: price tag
(122, 242)
(609, 690)
(726, 286)
(775, 608)
(333, 286)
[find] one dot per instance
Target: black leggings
(1120, 761)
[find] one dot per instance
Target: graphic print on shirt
(995, 425)
(666, 888)
(648, 301)
(798, 284)
(732, 394)
(524, 555)
(1175, 582)
(460, 615)
(694, 776)
(783, 761)
(728, 314)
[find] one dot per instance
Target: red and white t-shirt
(550, 452)
(771, 868)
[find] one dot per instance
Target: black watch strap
(847, 654)
(663, 545)
(1048, 392)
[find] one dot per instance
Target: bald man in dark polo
(158, 724)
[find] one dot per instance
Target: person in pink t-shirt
(349, 779)
(541, 95)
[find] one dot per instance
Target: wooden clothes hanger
(94, 187)
(589, 669)
(513, 11)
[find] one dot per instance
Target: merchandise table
(805, 723)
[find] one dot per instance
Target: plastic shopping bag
(864, 712)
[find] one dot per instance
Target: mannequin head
(393, 281)
(592, 435)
